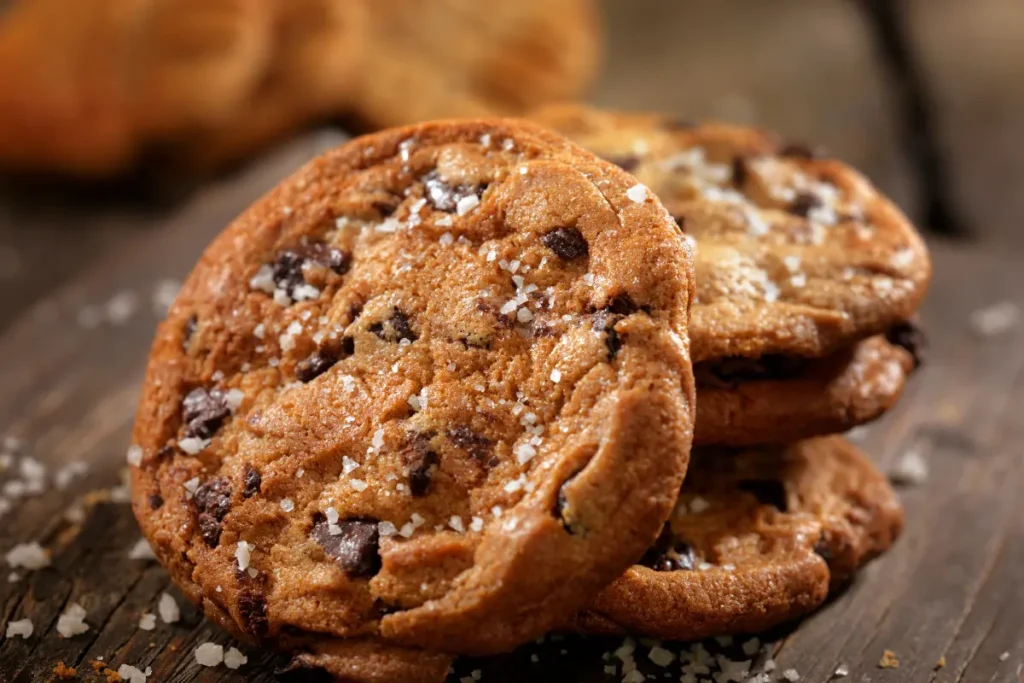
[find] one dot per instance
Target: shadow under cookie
(779, 399)
(759, 536)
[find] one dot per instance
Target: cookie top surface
(794, 254)
(780, 399)
(434, 387)
(757, 537)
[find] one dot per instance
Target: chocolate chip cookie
(434, 389)
(779, 398)
(758, 537)
(796, 255)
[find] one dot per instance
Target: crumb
(941, 663)
(889, 660)
(63, 672)
(112, 676)
(97, 665)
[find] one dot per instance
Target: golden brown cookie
(795, 255)
(428, 60)
(757, 538)
(434, 388)
(779, 399)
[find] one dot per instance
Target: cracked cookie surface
(434, 390)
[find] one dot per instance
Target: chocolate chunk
(800, 150)
(213, 501)
(251, 482)
(315, 365)
(669, 553)
(621, 304)
(822, 548)
(562, 511)
(604, 321)
(165, 452)
(354, 548)
(729, 372)
(567, 243)
(190, 329)
(477, 446)
(739, 171)
(395, 328)
(803, 203)
(910, 337)
(386, 207)
(299, 671)
(288, 266)
(445, 197)
(421, 462)
(767, 491)
(627, 163)
(203, 412)
(680, 222)
(348, 346)
(156, 501)
(252, 607)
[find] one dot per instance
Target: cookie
(758, 537)
(445, 58)
(780, 399)
(796, 255)
(434, 388)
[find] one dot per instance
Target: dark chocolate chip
(621, 304)
(910, 337)
(386, 207)
(354, 548)
(477, 446)
(803, 203)
(165, 452)
(739, 171)
(567, 243)
(800, 150)
(822, 548)
(348, 346)
(203, 412)
(251, 482)
(287, 267)
(561, 510)
(680, 222)
(767, 491)
(626, 163)
(604, 321)
(383, 609)
(213, 501)
(252, 607)
(729, 372)
(156, 501)
(299, 671)
(395, 328)
(669, 553)
(315, 365)
(190, 329)
(421, 463)
(445, 197)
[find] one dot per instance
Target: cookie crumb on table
(889, 660)
(63, 672)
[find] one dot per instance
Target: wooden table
(76, 318)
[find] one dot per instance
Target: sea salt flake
(263, 280)
(72, 622)
(132, 674)
(524, 315)
(378, 439)
(234, 658)
(287, 504)
(456, 523)
(30, 556)
(386, 529)
(842, 671)
(660, 656)
(22, 627)
(191, 486)
(141, 551)
(699, 504)
(358, 484)
(233, 399)
(791, 675)
(168, 610)
(134, 455)
(147, 622)
(446, 239)
(243, 553)
(910, 468)
(525, 453)
(995, 319)
(193, 445)
(637, 193)
(209, 654)
(467, 204)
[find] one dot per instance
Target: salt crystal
(842, 671)
(750, 647)
(287, 504)
(72, 622)
(476, 524)
(995, 319)
(193, 445)
(131, 674)
(358, 484)
(524, 315)
(698, 505)
(637, 193)
(191, 486)
(446, 239)
(910, 468)
(243, 553)
(263, 280)
(209, 654)
(22, 627)
(141, 551)
(444, 221)
(233, 658)
(134, 455)
(28, 555)
(378, 439)
(456, 523)
(525, 453)
(791, 675)
(147, 622)
(660, 656)
(467, 204)
(233, 399)
(168, 609)
(386, 529)
(332, 515)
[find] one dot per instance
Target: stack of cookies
(435, 394)
(807, 283)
